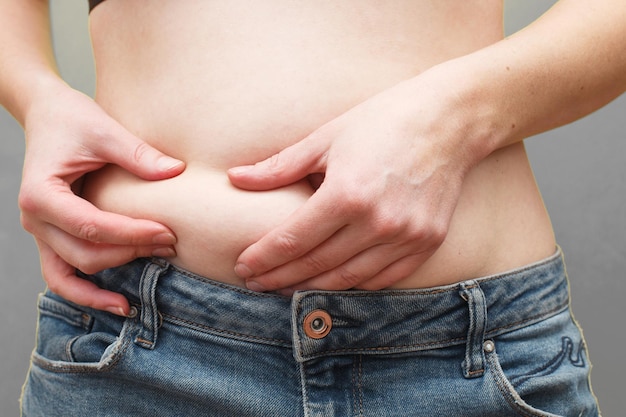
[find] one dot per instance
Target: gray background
(580, 169)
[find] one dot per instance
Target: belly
(220, 84)
(500, 222)
(213, 220)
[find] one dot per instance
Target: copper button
(317, 324)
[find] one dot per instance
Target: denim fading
(503, 345)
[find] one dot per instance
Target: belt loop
(473, 365)
(149, 317)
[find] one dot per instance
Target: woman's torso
(226, 83)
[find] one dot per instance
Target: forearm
(564, 66)
(27, 65)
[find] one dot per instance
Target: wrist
(42, 90)
(31, 90)
(484, 104)
(466, 120)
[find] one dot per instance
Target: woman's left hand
(393, 167)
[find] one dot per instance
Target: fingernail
(164, 252)
(164, 239)
(243, 271)
(118, 311)
(241, 169)
(255, 286)
(165, 163)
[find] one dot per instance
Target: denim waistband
(320, 323)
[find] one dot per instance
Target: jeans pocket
(542, 369)
(75, 339)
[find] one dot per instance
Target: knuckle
(439, 235)
(141, 151)
(288, 245)
(32, 206)
(54, 285)
(314, 264)
(273, 163)
(135, 252)
(352, 203)
(431, 235)
(55, 281)
(27, 223)
(388, 226)
(28, 201)
(86, 264)
(346, 278)
(357, 200)
(88, 231)
(436, 233)
(137, 244)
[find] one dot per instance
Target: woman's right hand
(67, 136)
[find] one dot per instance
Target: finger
(136, 156)
(362, 268)
(363, 273)
(62, 280)
(90, 257)
(80, 218)
(395, 272)
(300, 233)
(286, 167)
(333, 252)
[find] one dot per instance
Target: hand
(393, 166)
(67, 136)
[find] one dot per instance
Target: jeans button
(132, 313)
(317, 324)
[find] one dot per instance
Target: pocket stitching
(568, 350)
(508, 391)
(106, 363)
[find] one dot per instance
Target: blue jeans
(504, 345)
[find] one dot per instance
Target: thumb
(283, 168)
(139, 158)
